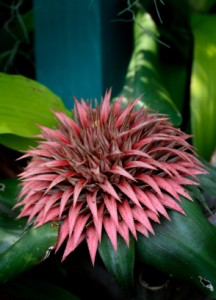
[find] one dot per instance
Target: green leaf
(10, 231)
(183, 248)
(195, 193)
(24, 103)
(22, 248)
(207, 181)
(174, 77)
(9, 190)
(205, 192)
(175, 58)
(143, 76)
(119, 263)
(17, 142)
(36, 289)
(203, 88)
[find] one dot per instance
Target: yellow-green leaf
(203, 87)
(143, 76)
(25, 103)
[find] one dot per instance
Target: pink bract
(114, 169)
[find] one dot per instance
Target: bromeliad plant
(113, 172)
(118, 178)
(111, 168)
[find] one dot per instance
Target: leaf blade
(24, 103)
(143, 76)
(119, 263)
(31, 247)
(183, 247)
(203, 91)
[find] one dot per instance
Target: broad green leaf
(183, 248)
(24, 103)
(203, 88)
(36, 289)
(143, 76)
(24, 247)
(119, 263)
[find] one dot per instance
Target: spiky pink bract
(111, 168)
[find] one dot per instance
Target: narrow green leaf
(24, 248)
(183, 248)
(119, 263)
(36, 289)
(203, 88)
(142, 76)
(24, 103)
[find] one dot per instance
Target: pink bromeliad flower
(110, 169)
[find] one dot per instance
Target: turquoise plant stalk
(111, 168)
